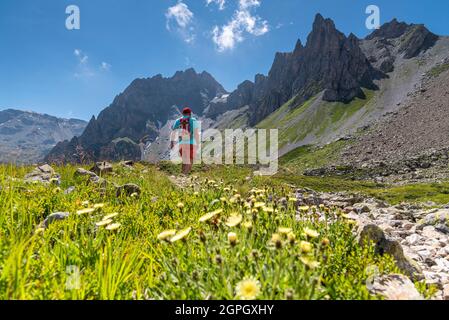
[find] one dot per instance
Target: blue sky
(76, 73)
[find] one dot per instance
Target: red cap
(187, 110)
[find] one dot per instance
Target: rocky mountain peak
(329, 62)
(416, 40)
(140, 111)
(390, 30)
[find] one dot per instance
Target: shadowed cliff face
(330, 61)
(138, 113)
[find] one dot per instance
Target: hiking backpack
(186, 127)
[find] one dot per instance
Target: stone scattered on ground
(57, 216)
(102, 168)
(128, 190)
(127, 163)
(385, 245)
(43, 174)
(415, 235)
(395, 287)
(69, 190)
(93, 177)
(446, 292)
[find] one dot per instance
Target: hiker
(189, 139)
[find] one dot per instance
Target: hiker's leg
(192, 153)
(186, 159)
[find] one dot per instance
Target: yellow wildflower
(268, 209)
(312, 264)
(232, 238)
(285, 230)
(113, 226)
(259, 204)
(166, 234)
(111, 216)
(85, 211)
(210, 215)
(248, 225)
(181, 235)
(291, 237)
(311, 233)
(234, 220)
(103, 223)
(305, 246)
(248, 289)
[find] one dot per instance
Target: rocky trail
(415, 235)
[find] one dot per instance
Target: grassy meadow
(218, 236)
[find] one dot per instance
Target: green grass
(435, 192)
(295, 123)
(131, 263)
(310, 157)
(436, 71)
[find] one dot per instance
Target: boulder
(384, 245)
(438, 217)
(43, 174)
(395, 287)
(102, 168)
(446, 292)
(93, 178)
(69, 190)
(57, 216)
(127, 163)
(128, 190)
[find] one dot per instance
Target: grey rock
(57, 216)
(93, 178)
(43, 174)
(128, 190)
(384, 245)
(413, 239)
(395, 287)
(102, 168)
(80, 172)
(69, 190)
(446, 292)
(443, 228)
(438, 217)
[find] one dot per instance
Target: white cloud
(246, 4)
(84, 70)
(220, 3)
(226, 37)
(180, 19)
(82, 58)
(105, 66)
(181, 14)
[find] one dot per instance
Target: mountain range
(324, 90)
(26, 137)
